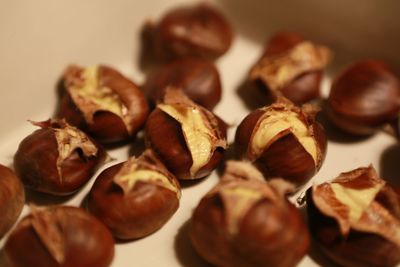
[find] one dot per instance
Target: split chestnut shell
(291, 67)
(244, 222)
(187, 138)
(57, 159)
(59, 236)
(134, 198)
(101, 101)
(283, 140)
(356, 219)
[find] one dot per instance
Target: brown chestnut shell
(285, 157)
(79, 240)
(364, 96)
(270, 233)
(36, 162)
(198, 78)
(199, 30)
(139, 212)
(303, 88)
(105, 126)
(356, 248)
(12, 199)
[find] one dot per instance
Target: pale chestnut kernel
(275, 122)
(91, 96)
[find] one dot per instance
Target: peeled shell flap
(351, 199)
(202, 136)
(146, 168)
(47, 224)
(276, 71)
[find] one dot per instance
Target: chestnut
(283, 140)
(292, 67)
(101, 101)
(356, 219)
(59, 236)
(192, 30)
(187, 138)
(245, 221)
(57, 159)
(134, 198)
(12, 199)
(364, 97)
(197, 77)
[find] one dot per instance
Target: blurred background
(354, 29)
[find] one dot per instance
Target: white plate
(39, 38)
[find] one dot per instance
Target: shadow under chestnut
(137, 147)
(184, 250)
(43, 199)
(389, 165)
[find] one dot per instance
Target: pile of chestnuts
(246, 219)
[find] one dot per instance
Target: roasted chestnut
(134, 198)
(364, 97)
(57, 159)
(197, 30)
(356, 219)
(101, 101)
(59, 236)
(291, 66)
(245, 222)
(12, 199)
(283, 140)
(198, 78)
(187, 138)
